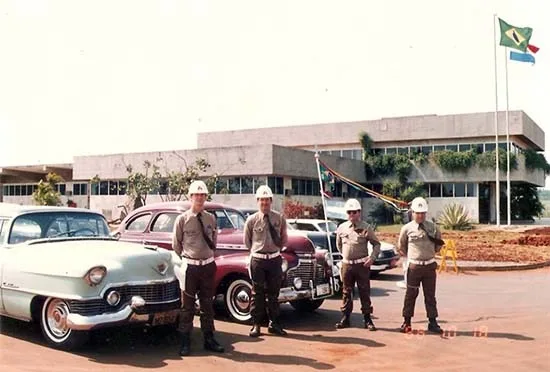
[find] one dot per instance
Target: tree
(170, 185)
(524, 202)
(296, 209)
(45, 193)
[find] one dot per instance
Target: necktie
(209, 241)
(274, 235)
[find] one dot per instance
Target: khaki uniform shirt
(415, 244)
(256, 232)
(188, 240)
(352, 241)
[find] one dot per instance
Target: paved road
(494, 322)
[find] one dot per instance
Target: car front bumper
(132, 312)
(313, 293)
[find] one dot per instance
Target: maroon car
(307, 278)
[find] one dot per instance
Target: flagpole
(497, 196)
(322, 189)
(508, 186)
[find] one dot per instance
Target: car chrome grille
(307, 271)
(155, 296)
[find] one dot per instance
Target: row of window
(27, 190)
(407, 150)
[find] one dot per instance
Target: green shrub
(455, 161)
(536, 160)
(455, 217)
(487, 160)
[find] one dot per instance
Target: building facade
(282, 157)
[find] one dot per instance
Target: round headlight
(96, 275)
(284, 265)
(297, 283)
(113, 298)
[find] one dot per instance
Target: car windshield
(41, 225)
(229, 219)
(332, 227)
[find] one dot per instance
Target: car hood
(73, 258)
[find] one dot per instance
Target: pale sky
(148, 75)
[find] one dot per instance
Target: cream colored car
(59, 267)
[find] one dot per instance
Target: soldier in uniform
(265, 234)
(419, 241)
(352, 238)
(194, 241)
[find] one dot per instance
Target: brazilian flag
(514, 37)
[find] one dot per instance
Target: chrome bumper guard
(292, 294)
(79, 322)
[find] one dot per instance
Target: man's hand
(368, 262)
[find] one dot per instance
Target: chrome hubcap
(57, 318)
(242, 299)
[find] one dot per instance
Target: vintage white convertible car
(59, 267)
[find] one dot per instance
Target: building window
(247, 185)
(76, 189)
(276, 185)
(447, 190)
(416, 150)
(316, 188)
(490, 147)
(358, 154)
(471, 190)
(439, 148)
(6, 190)
(113, 187)
(451, 147)
(121, 187)
(235, 185)
(426, 150)
(259, 181)
(502, 146)
(104, 188)
(295, 186)
(221, 186)
(460, 190)
(403, 150)
(95, 188)
(435, 190)
(347, 154)
(163, 188)
(478, 147)
(17, 190)
(391, 150)
(464, 147)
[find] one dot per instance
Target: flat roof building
(282, 157)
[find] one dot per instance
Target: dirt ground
(530, 245)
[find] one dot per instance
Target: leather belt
(353, 262)
(266, 256)
(192, 261)
(422, 263)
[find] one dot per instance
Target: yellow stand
(448, 251)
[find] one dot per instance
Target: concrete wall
(417, 128)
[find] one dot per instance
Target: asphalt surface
(494, 321)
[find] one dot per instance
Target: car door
(3, 251)
(162, 229)
(136, 229)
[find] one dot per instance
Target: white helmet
(198, 187)
(352, 205)
(419, 205)
(264, 192)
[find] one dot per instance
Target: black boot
(275, 328)
(255, 331)
(406, 326)
(344, 322)
(185, 347)
(369, 323)
(433, 327)
(211, 344)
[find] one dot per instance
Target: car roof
(12, 210)
(179, 205)
(308, 220)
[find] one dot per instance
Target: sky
(93, 77)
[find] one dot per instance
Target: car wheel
(238, 297)
(53, 323)
(306, 306)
